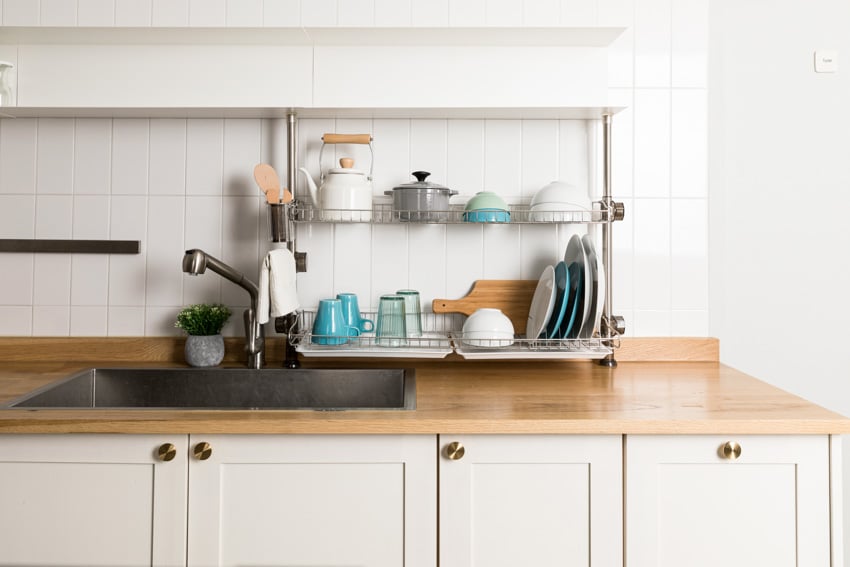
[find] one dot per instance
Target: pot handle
(347, 138)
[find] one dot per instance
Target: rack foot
(608, 362)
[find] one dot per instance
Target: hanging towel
(277, 285)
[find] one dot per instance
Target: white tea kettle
(343, 193)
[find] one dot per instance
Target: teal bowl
(487, 215)
(486, 206)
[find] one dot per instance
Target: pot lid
(421, 183)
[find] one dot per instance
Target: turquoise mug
(351, 313)
(329, 327)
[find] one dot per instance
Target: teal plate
(576, 276)
(562, 284)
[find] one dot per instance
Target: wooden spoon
(266, 177)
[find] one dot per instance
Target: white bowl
(558, 212)
(560, 192)
(488, 327)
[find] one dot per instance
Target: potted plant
(203, 323)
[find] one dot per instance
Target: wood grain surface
(512, 297)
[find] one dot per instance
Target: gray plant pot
(204, 350)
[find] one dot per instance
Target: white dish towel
(278, 296)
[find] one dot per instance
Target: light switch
(826, 61)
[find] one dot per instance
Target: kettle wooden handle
(347, 138)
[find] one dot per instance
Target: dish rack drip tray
(441, 335)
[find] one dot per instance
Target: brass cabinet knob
(166, 452)
(202, 451)
(730, 450)
(455, 451)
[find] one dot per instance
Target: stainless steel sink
(229, 388)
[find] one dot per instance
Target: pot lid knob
(421, 175)
(346, 162)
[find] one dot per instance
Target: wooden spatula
(266, 177)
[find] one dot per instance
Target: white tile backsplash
(186, 183)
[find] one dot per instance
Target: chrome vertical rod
(608, 201)
(291, 321)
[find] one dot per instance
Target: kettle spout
(311, 186)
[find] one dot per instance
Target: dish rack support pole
(608, 326)
(290, 322)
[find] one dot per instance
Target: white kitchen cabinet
(328, 500)
(688, 503)
(531, 500)
(92, 500)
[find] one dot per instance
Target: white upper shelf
(318, 36)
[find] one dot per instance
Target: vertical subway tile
(159, 321)
(539, 160)
(18, 158)
(502, 157)
(427, 264)
(95, 13)
(240, 248)
(90, 220)
(204, 156)
(55, 155)
(428, 148)
(623, 261)
(207, 13)
(51, 320)
(689, 143)
(390, 261)
(621, 60)
(17, 216)
(689, 65)
(244, 13)
(167, 156)
(541, 12)
(652, 254)
(58, 13)
(392, 154)
(203, 230)
(393, 13)
(652, 43)
(317, 240)
(310, 133)
(538, 248)
(429, 13)
(465, 164)
(133, 13)
(1, 12)
(170, 13)
(125, 321)
(464, 258)
(92, 156)
(622, 153)
(128, 221)
(690, 323)
(502, 252)
(652, 143)
(689, 254)
(355, 13)
(651, 323)
(574, 162)
(318, 12)
(53, 216)
(88, 321)
(17, 282)
(89, 279)
(164, 246)
(352, 259)
(241, 154)
(578, 13)
(15, 320)
(281, 13)
(616, 13)
(503, 13)
(467, 12)
(20, 13)
(52, 279)
(130, 143)
(273, 146)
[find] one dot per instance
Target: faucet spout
(196, 262)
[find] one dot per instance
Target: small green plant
(203, 319)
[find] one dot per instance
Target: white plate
(577, 254)
(591, 327)
(542, 304)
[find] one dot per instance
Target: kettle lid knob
(346, 162)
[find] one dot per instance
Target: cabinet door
(92, 500)
(531, 500)
(688, 504)
(313, 500)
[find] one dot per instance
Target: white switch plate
(826, 61)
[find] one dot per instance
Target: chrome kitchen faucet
(196, 262)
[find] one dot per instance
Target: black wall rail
(70, 246)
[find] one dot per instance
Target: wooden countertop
(475, 397)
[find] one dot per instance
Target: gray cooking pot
(421, 201)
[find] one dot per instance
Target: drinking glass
(413, 312)
(391, 329)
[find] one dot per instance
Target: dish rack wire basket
(381, 213)
(442, 334)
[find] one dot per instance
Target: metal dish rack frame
(446, 335)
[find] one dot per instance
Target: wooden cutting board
(513, 297)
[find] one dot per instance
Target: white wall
(780, 135)
(187, 183)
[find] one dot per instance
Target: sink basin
(228, 388)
